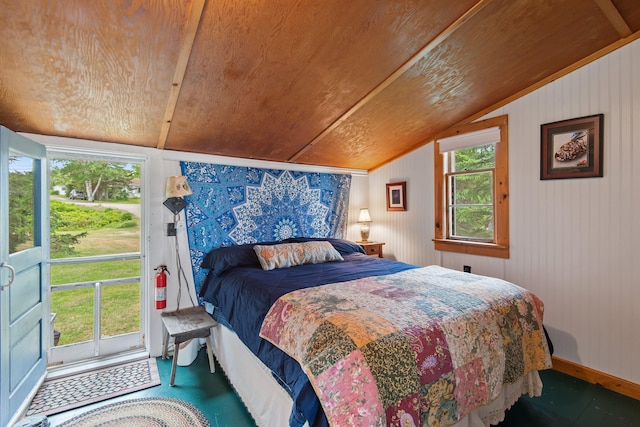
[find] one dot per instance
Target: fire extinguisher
(161, 287)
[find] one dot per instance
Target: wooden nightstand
(372, 248)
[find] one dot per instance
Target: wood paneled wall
(573, 242)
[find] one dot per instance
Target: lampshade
(364, 215)
(177, 186)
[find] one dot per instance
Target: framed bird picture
(572, 148)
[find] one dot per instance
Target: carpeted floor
(153, 411)
(74, 391)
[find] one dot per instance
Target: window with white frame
(471, 189)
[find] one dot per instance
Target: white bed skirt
(270, 405)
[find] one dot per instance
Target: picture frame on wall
(397, 196)
(572, 148)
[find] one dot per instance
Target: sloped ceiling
(339, 83)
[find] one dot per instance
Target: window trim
(499, 248)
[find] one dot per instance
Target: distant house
(133, 189)
(60, 190)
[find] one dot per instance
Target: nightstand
(372, 248)
(183, 325)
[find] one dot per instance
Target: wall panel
(573, 241)
(410, 244)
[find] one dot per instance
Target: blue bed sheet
(243, 296)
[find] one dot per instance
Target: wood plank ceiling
(350, 84)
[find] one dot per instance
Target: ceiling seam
(195, 14)
(441, 37)
(614, 17)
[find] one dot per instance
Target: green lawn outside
(120, 303)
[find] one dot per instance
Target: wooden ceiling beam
(396, 74)
(613, 15)
(188, 38)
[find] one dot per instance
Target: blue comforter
(243, 295)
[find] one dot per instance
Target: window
(472, 190)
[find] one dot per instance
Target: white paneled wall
(403, 242)
(358, 198)
(574, 242)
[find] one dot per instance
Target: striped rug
(149, 412)
(63, 394)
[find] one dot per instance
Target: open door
(24, 239)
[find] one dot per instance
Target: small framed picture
(572, 148)
(397, 196)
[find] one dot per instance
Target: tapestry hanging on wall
(233, 205)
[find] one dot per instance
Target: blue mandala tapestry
(233, 205)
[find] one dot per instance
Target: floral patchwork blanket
(421, 347)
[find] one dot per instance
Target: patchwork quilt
(421, 347)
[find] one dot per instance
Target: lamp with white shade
(177, 187)
(364, 219)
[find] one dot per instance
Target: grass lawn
(120, 303)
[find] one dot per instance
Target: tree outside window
(470, 193)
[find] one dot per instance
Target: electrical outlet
(171, 229)
(466, 268)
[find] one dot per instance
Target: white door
(24, 237)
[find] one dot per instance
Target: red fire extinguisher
(161, 287)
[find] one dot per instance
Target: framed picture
(397, 196)
(572, 148)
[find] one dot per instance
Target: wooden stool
(183, 325)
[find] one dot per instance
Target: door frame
(16, 397)
(71, 153)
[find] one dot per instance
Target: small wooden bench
(183, 325)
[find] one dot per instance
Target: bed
(314, 332)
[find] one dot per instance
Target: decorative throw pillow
(291, 254)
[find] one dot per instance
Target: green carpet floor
(568, 401)
(565, 401)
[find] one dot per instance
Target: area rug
(71, 392)
(148, 412)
